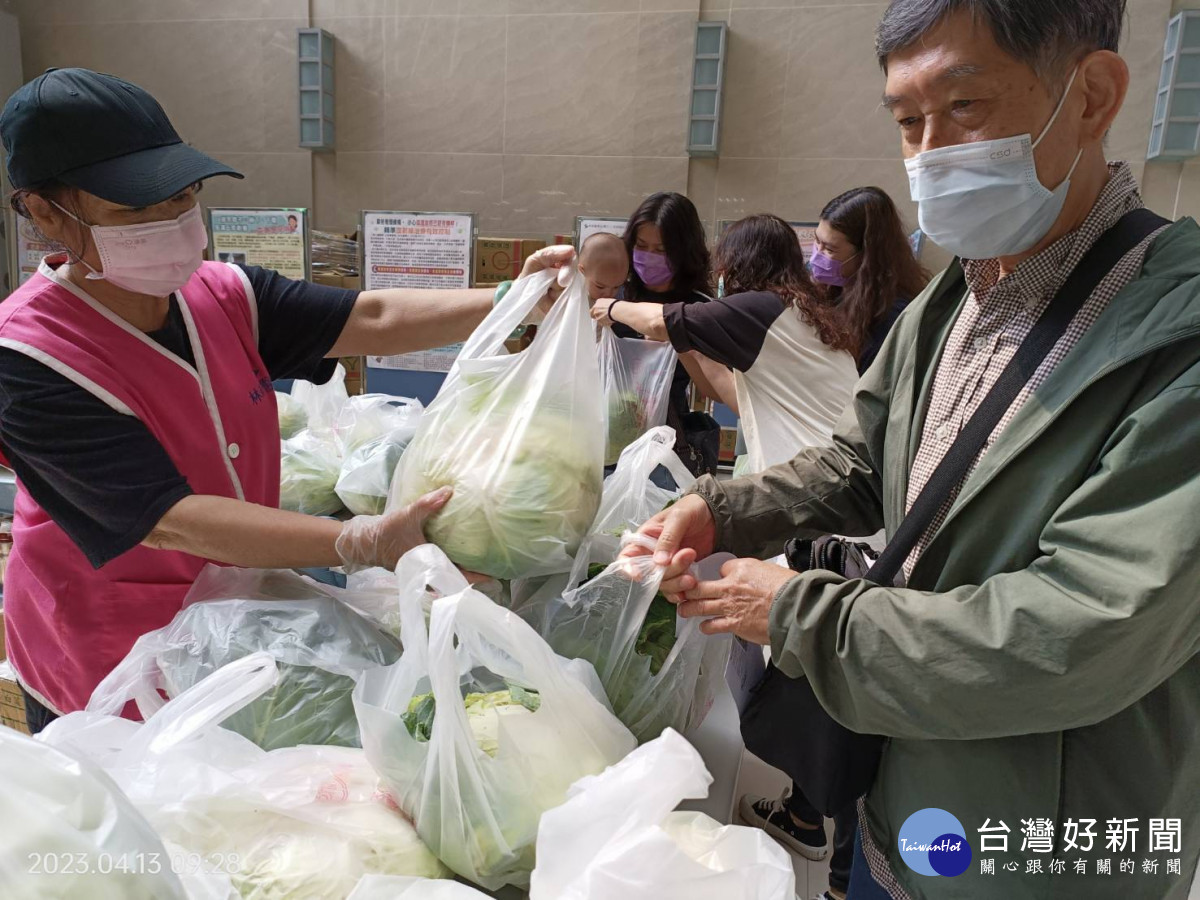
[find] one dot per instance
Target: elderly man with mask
(1038, 676)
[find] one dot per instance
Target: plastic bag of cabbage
(480, 728)
(293, 417)
(519, 437)
(319, 643)
(58, 809)
(303, 822)
(636, 375)
(659, 671)
(374, 430)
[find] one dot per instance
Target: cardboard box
(564, 239)
(330, 279)
(499, 259)
(728, 451)
(355, 367)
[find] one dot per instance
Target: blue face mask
(984, 200)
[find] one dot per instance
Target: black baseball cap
(100, 134)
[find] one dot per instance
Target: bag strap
(1134, 227)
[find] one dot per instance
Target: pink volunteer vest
(66, 624)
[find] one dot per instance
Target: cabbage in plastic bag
(514, 506)
(626, 423)
(293, 417)
(319, 645)
(309, 466)
(367, 474)
(369, 417)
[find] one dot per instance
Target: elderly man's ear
(1104, 77)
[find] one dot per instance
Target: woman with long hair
(792, 352)
(863, 258)
(666, 243)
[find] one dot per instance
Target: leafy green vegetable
(310, 704)
(656, 637)
(482, 713)
(526, 488)
(309, 466)
(626, 423)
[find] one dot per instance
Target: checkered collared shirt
(998, 315)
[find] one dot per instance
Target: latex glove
(368, 541)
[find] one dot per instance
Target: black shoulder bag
(784, 724)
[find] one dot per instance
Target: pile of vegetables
(341, 451)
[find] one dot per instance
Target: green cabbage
(309, 466)
(367, 474)
(318, 644)
(526, 488)
(483, 713)
(656, 637)
(293, 417)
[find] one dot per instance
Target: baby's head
(604, 264)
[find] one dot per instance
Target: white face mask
(984, 200)
(154, 258)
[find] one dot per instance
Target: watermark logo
(933, 842)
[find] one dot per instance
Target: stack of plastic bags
(339, 451)
(319, 642)
(300, 822)
(480, 728)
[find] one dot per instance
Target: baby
(604, 264)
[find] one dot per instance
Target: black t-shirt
(102, 476)
(879, 335)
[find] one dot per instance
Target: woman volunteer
(792, 352)
(666, 243)
(135, 388)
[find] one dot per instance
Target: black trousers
(844, 825)
(37, 716)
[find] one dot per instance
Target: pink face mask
(153, 258)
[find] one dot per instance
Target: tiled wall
(529, 112)
(526, 112)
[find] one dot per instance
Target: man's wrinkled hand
(740, 602)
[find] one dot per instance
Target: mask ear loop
(1062, 101)
(73, 257)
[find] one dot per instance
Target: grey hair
(1046, 35)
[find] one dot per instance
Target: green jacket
(1044, 661)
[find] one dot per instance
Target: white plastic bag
(397, 887)
(616, 838)
(293, 417)
(311, 459)
(301, 822)
(659, 670)
(309, 466)
(60, 817)
(519, 437)
(320, 644)
(322, 402)
(477, 784)
(636, 375)
(630, 497)
(369, 417)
